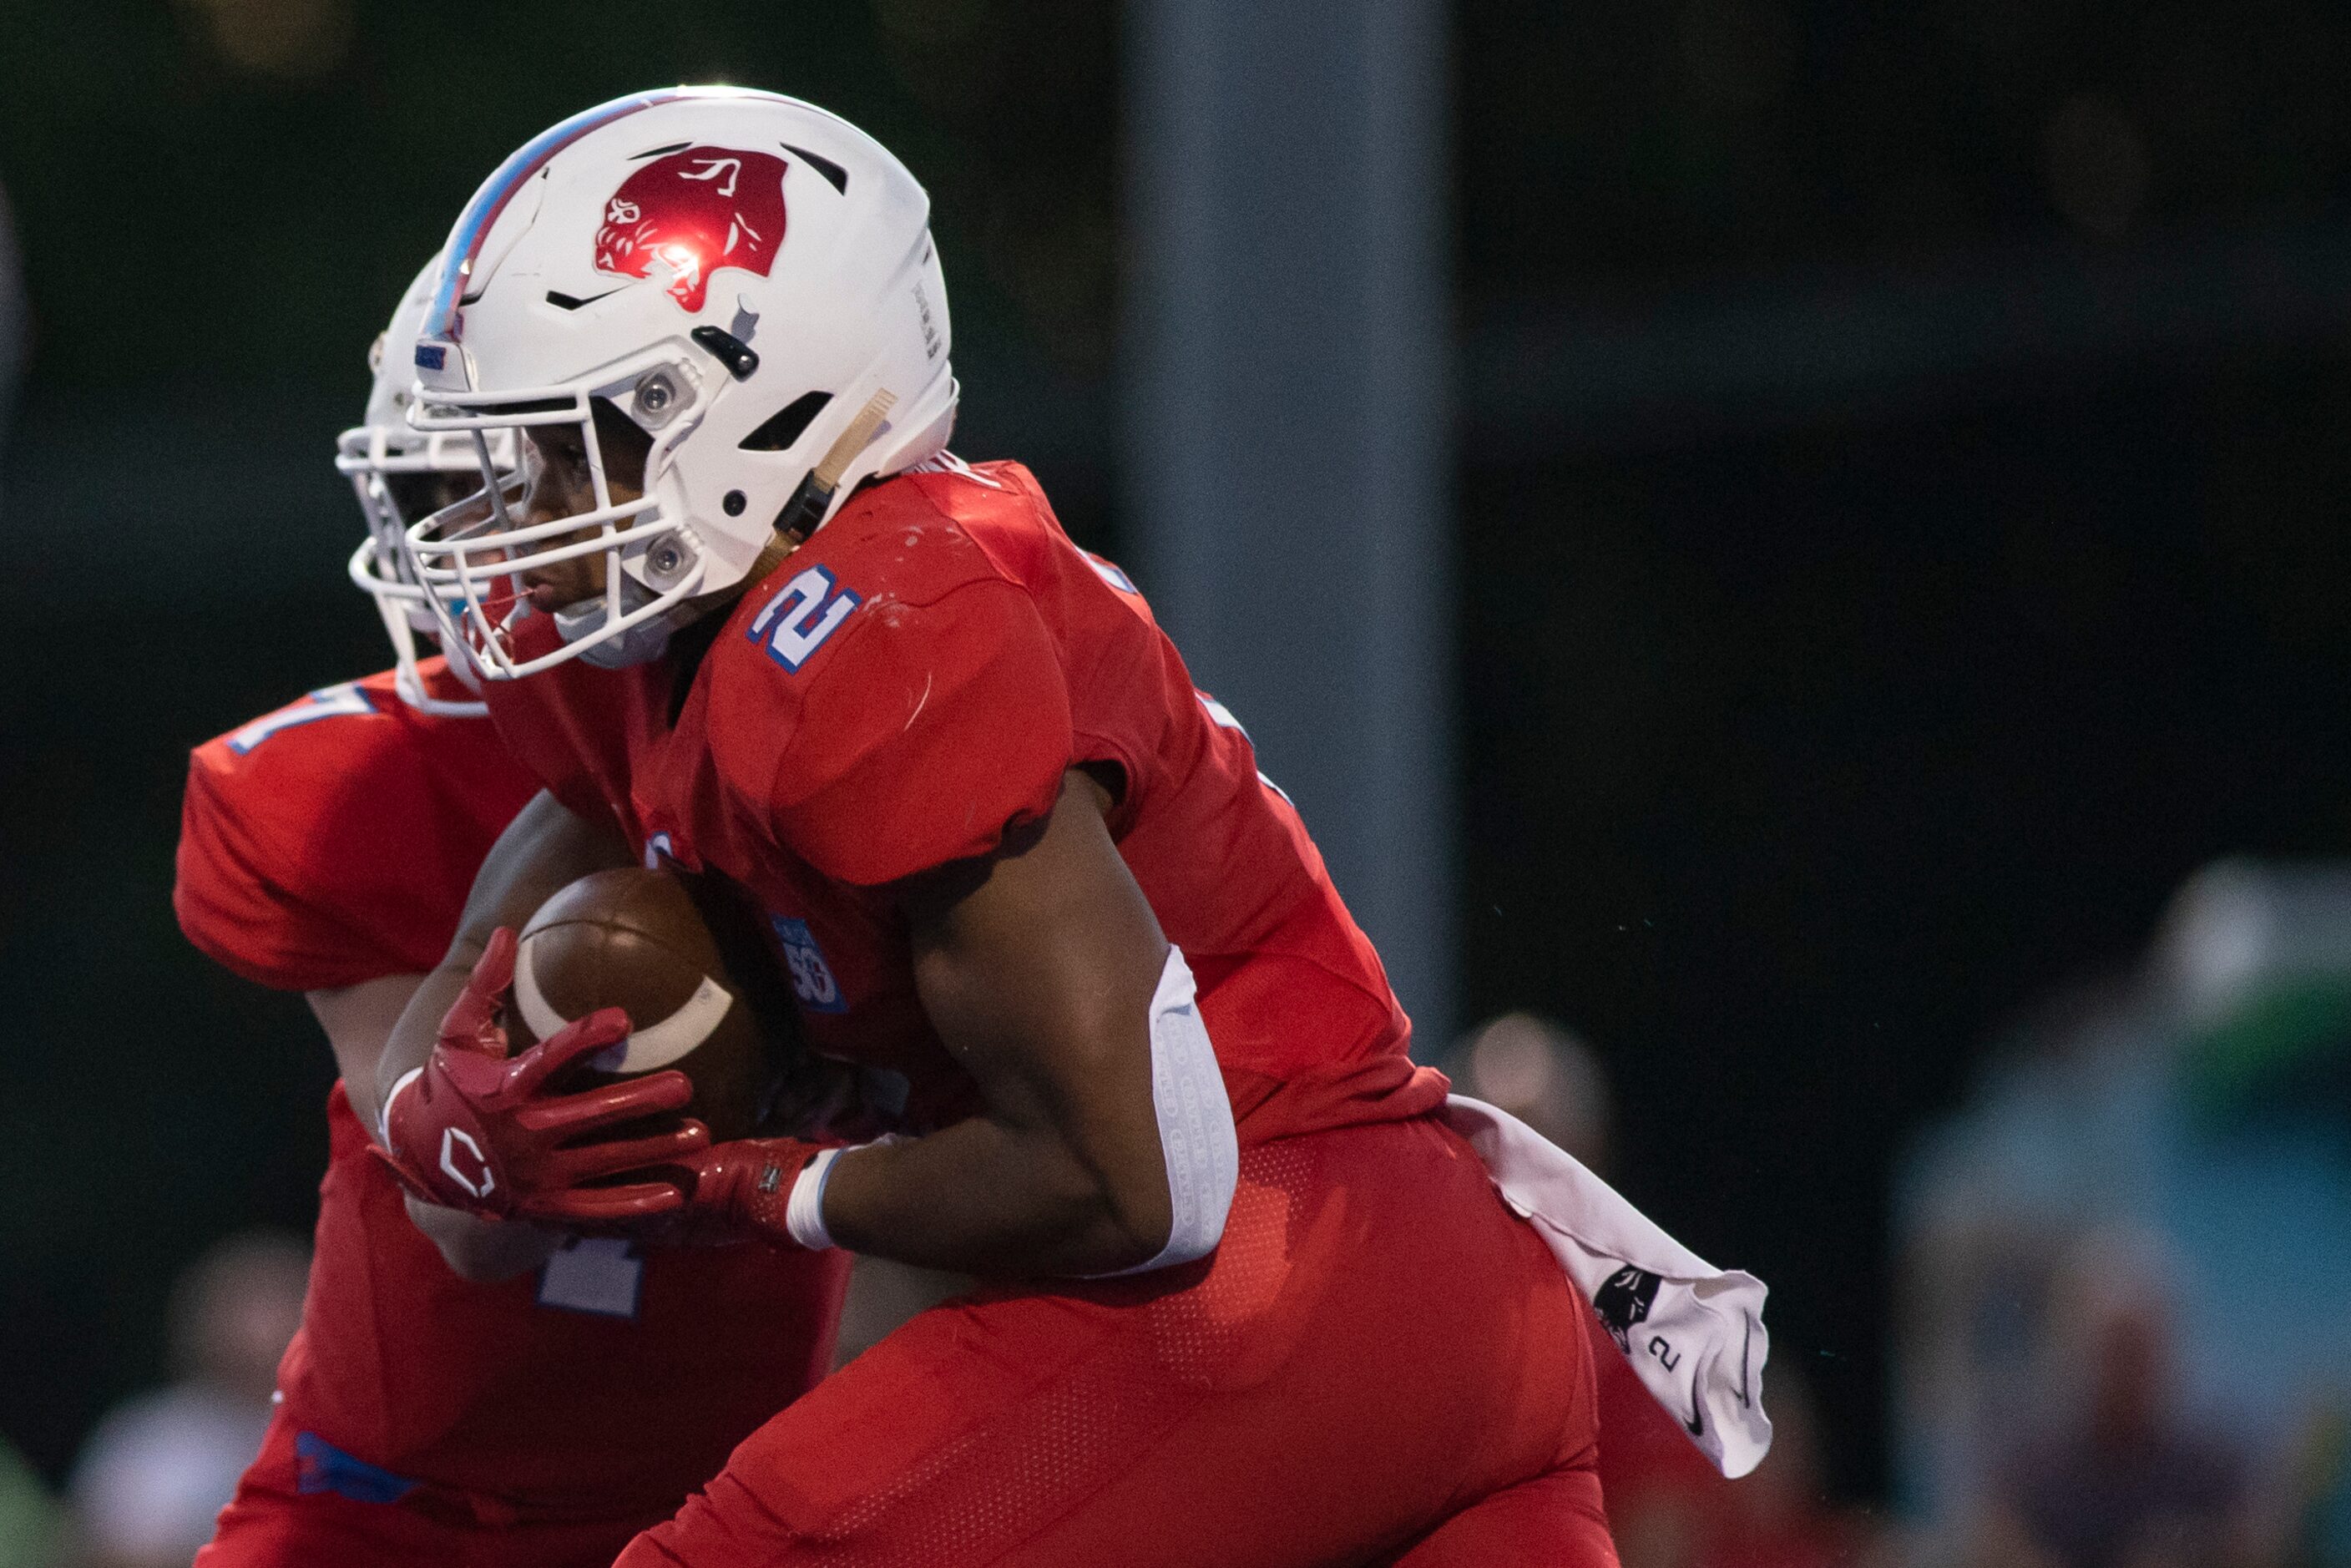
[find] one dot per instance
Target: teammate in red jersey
(1255, 1302)
(327, 848)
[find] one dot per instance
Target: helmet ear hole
(787, 425)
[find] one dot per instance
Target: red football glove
(739, 1191)
(472, 1129)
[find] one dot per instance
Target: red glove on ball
(472, 1129)
(739, 1191)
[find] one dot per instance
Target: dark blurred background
(1898, 468)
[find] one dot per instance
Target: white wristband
(804, 1210)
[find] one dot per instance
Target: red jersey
(910, 684)
(334, 842)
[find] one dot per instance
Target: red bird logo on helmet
(694, 212)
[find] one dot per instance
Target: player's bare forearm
(980, 1197)
(546, 848)
(1038, 970)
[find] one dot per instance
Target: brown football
(637, 940)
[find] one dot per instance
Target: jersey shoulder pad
(1002, 511)
(893, 700)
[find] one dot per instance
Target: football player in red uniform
(1250, 1301)
(530, 1418)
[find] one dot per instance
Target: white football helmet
(750, 280)
(401, 478)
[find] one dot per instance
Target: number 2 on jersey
(796, 621)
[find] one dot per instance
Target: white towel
(1693, 1333)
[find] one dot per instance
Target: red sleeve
(339, 847)
(931, 730)
(227, 903)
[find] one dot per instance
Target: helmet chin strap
(806, 509)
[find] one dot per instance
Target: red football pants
(272, 1522)
(1380, 1364)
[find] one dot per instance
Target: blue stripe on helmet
(474, 222)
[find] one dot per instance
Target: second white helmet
(401, 476)
(748, 278)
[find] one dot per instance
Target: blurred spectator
(2197, 1102)
(2120, 1477)
(1986, 1209)
(161, 1465)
